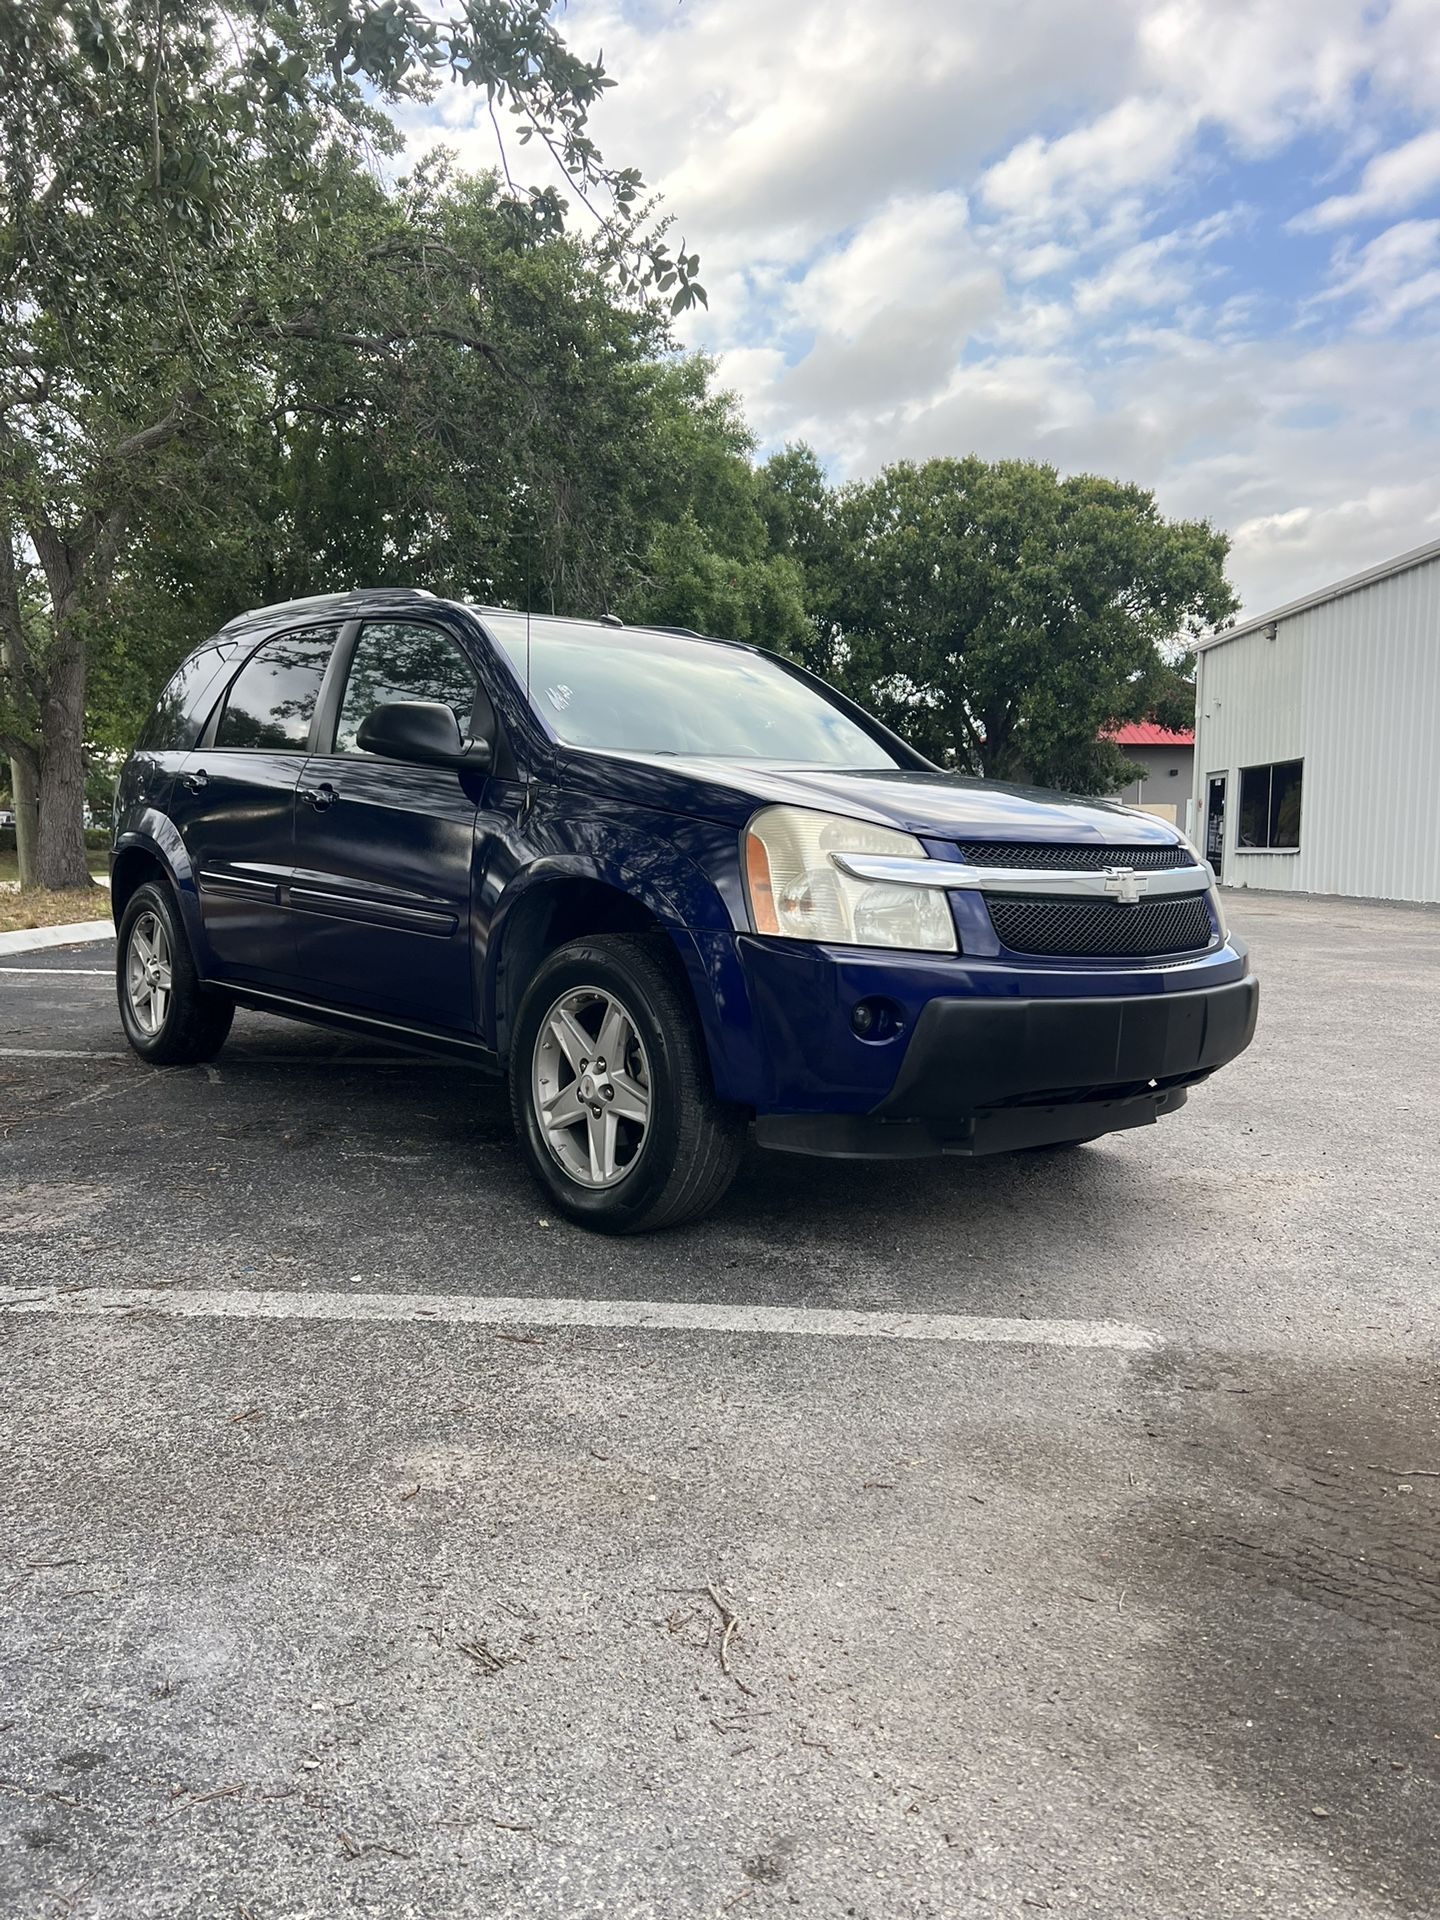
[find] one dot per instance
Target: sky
(1190, 243)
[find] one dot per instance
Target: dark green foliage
(238, 365)
(194, 245)
(1002, 618)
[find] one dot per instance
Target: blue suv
(675, 889)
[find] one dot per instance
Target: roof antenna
(529, 597)
(527, 798)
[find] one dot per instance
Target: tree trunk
(60, 840)
(22, 785)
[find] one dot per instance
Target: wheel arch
(558, 906)
(154, 851)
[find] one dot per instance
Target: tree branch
(15, 748)
(160, 431)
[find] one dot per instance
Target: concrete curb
(78, 933)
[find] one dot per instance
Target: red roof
(1144, 733)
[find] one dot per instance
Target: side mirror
(421, 730)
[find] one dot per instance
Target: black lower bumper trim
(971, 1054)
(857, 1136)
(992, 1076)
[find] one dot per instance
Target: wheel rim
(147, 973)
(590, 1079)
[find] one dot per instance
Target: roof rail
(327, 602)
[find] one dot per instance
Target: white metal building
(1316, 729)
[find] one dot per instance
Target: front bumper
(991, 1073)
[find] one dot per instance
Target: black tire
(691, 1144)
(192, 1024)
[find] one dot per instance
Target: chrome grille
(1064, 859)
(1085, 929)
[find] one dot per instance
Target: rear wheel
(168, 1017)
(611, 1090)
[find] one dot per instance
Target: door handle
(320, 797)
(195, 782)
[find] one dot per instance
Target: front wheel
(611, 1090)
(168, 1017)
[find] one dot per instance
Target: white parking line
(244, 1059)
(675, 1316)
(64, 973)
(59, 1053)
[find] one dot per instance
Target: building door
(1215, 823)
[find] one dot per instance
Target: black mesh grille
(1018, 853)
(1084, 928)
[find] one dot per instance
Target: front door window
(400, 660)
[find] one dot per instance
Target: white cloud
(1037, 325)
(1137, 143)
(1391, 183)
(1261, 69)
(895, 259)
(1014, 229)
(1393, 275)
(1149, 274)
(1326, 542)
(1038, 263)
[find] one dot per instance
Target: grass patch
(37, 908)
(10, 864)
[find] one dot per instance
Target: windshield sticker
(559, 697)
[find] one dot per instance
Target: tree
(176, 184)
(575, 466)
(802, 523)
(702, 553)
(1005, 619)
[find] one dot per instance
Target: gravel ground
(318, 1613)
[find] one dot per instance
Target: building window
(1270, 806)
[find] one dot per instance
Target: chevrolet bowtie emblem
(1124, 884)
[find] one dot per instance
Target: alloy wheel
(590, 1080)
(147, 973)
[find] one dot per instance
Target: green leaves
(231, 361)
(1000, 617)
(97, 37)
(270, 87)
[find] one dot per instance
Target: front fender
(677, 893)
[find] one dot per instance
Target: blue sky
(1193, 243)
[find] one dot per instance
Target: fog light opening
(876, 1019)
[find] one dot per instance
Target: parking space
(1052, 1533)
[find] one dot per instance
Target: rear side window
(401, 660)
(181, 711)
(273, 698)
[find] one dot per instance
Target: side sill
(454, 1046)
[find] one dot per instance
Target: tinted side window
(181, 711)
(398, 660)
(274, 695)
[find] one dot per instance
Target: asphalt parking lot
(348, 1565)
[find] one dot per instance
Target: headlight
(1219, 909)
(797, 890)
(1215, 901)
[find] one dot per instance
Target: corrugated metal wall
(1352, 687)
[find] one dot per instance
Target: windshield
(629, 690)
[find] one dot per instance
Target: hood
(936, 805)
